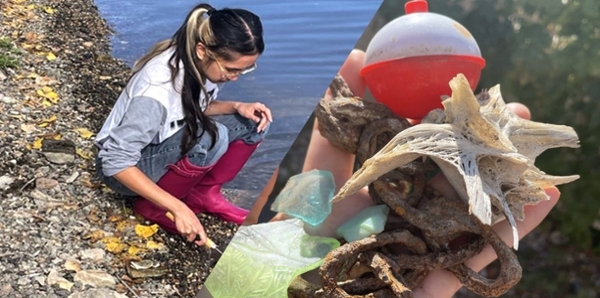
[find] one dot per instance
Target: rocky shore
(63, 234)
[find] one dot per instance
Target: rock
(95, 278)
(54, 278)
(59, 157)
(45, 183)
(73, 177)
(154, 271)
(41, 280)
(5, 182)
(93, 293)
(2, 76)
(5, 290)
(73, 265)
(88, 44)
(7, 99)
(59, 151)
(95, 254)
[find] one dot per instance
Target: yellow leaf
(94, 235)
(38, 143)
(57, 137)
(146, 231)
(83, 154)
(46, 103)
(134, 250)
(32, 76)
(50, 57)
(52, 96)
(30, 6)
(46, 89)
(84, 133)
(44, 124)
(40, 92)
(48, 10)
(49, 120)
(154, 245)
(114, 245)
(122, 225)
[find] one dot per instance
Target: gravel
(63, 233)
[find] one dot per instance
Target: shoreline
(64, 234)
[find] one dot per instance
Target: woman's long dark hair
(225, 33)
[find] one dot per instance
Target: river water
(306, 43)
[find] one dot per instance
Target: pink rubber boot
(206, 196)
(178, 181)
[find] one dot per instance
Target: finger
(190, 237)
(262, 125)
(267, 112)
(203, 237)
(519, 109)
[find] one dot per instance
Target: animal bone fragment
(485, 151)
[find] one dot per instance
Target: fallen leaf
(47, 121)
(38, 143)
(84, 133)
(47, 89)
(27, 127)
(84, 154)
(94, 236)
(146, 231)
(51, 57)
(114, 245)
(48, 10)
(123, 224)
(46, 103)
(30, 36)
(134, 250)
(154, 245)
(115, 217)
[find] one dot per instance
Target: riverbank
(63, 233)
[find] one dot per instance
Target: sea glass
(262, 260)
(307, 196)
(365, 223)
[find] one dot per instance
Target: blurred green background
(546, 55)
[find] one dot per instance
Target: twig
(128, 287)
(27, 184)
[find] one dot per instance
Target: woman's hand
(257, 112)
(188, 225)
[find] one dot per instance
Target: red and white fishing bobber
(411, 60)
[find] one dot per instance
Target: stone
(73, 265)
(307, 196)
(367, 222)
(54, 278)
(45, 183)
(5, 182)
(6, 289)
(95, 254)
(101, 292)
(95, 278)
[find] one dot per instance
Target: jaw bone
(485, 151)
